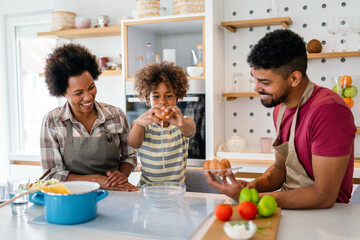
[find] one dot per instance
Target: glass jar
(102, 63)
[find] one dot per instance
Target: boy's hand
(174, 116)
(150, 116)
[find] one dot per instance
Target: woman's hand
(125, 186)
(115, 178)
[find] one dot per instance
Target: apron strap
(69, 131)
(108, 134)
(305, 96)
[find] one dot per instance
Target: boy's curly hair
(66, 61)
(148, 78)
(282, 50)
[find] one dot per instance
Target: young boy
(162, 133)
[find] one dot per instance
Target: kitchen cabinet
(170, 32)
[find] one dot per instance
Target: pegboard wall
(247, 116)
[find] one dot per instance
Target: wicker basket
(189, 6)
(148, 8)
(61, 20)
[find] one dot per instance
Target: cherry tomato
(223, 212)
(247, 210)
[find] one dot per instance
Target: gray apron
(296, 175)
(90, 155)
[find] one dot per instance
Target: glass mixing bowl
(163, 194)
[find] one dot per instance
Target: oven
(193, 105)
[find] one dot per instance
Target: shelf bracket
(284, 25)
(231, 98)
(231, 29)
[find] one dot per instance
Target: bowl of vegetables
(40, 183)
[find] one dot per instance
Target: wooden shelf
(103, 73)
(233, 25)
(190, 78)
(84, 32)
(333, 55)
(110, 72)
(233, 96)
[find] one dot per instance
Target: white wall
(248, 116)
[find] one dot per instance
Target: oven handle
(185, 99)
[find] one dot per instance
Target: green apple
(249, 194)
(267, 206)
(338, 89)
(350, 92)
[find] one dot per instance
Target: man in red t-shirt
(314, 148)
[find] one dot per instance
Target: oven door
(193, 105)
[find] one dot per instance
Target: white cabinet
(171, 32)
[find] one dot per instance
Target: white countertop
(340, 222)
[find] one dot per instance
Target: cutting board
(216, 231)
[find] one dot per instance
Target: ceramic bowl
(82, 22)
(163, 194)
(238, 231)
(195, 71)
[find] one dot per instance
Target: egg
(213, 165)
(221, 166)
(206, 165)
(227, 162)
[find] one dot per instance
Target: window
(28, 96)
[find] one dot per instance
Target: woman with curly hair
(162, 133)
(84, 139)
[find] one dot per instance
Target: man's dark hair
(67, 61)
(282, 51)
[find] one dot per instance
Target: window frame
(15, 100)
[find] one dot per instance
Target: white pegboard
(248, 117)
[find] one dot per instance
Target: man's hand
(231, 189)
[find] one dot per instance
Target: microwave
(193, 105)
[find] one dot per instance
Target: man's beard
(273, 102)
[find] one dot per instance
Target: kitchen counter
(339, 222)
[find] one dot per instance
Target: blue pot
(78, 207)
(32, 194)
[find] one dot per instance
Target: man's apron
(296, 175)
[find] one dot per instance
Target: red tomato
(247, 210)
(223, 212)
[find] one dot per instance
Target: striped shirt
(154, 155)
(53, 133)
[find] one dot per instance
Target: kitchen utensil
(239, 231)
(163, 194)
(234, 144)
(82, 22)
(78, 207)
(266, 143)
(195, 71)
(18, 188)
(103, 21)
(215, 231)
